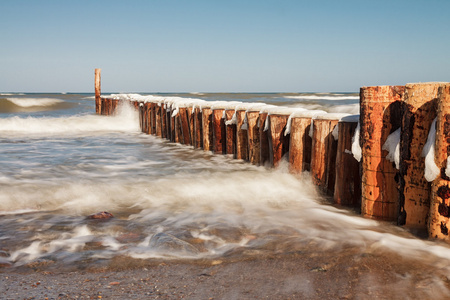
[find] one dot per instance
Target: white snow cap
(356, 147)
(301, 114)
(431, 171)
(392, 145)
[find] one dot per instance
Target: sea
(60, 163)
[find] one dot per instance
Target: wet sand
(309, 274)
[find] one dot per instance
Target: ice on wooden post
(278, 141)
(324, 149)
(438, 220)
(347, 188)
(381, 114)
(230, 132)
(300, 144)
(414, 189)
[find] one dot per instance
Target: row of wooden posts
(372, 184)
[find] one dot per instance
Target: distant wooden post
(98, 108)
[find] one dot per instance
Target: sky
(222, 46)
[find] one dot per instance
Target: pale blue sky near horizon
(222, 46)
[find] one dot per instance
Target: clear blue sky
(222, 46)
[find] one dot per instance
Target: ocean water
(61, 163)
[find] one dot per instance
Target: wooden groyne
(390, 161)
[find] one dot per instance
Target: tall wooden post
(420, 110)
(98, 109)
(381, 114)
(439, 221)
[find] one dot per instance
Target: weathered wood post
(264, 148)
(381, 108)
(98, 109)
(300, 141)
(420, 110)
(347, 189)
(158, 115)
(219, 134)
(324, 149)
(241, 135)
(253, 136)
(198, 129)
(230, 139)
(153, 106)
(207, 128)
(278, 141)
(439, 222)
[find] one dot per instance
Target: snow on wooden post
(278, 142)
(381, 108)
(347, 188)
(263, 140)
(439, 222)
(190, 120)
(300, 140)
(324, 149)
(158, 115)
(241, 136)
(253, 136)
(420, 102)
(230, 133)
(98, 108)
(207, 128)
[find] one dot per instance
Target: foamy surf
(125, 121)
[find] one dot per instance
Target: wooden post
(153, 117)
(219, 134)
(241, 136)
(253, 136)
(420, 110)
(439, 222)
(300, 143)
(207, 128)
(323, 155)
(98, 91)
(347, 190)
(190, 119)
(278, 142)
(381, 114)
(184, 123)
(230, 139)
(263, 140)
(198, 129)
(158, 116)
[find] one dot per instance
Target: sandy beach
(309, 274)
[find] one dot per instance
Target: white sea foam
(125, 121)
(29, 102)
(323, 97)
